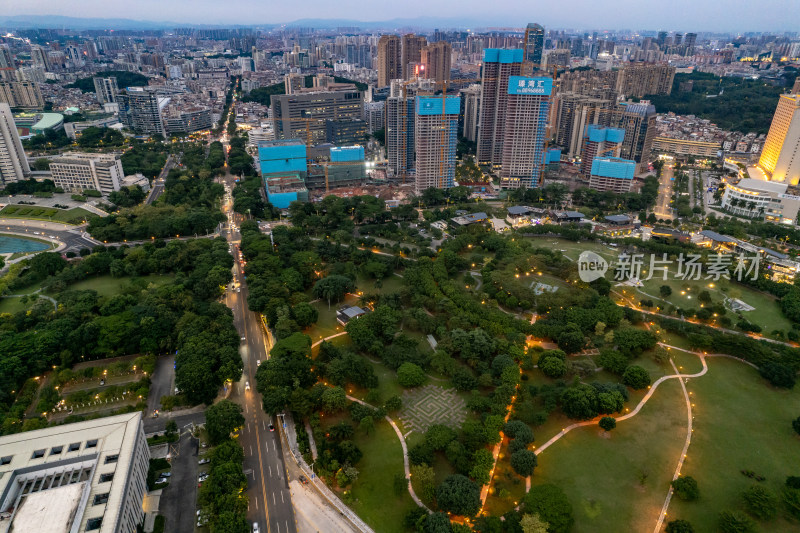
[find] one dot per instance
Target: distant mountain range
(76, 23)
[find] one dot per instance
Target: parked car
(204, 461)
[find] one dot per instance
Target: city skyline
(727, 16)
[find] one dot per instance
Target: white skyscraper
(13, 163)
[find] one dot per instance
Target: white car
(258, 362)
(246, 385)
(255, 527)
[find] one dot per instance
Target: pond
(10, 245)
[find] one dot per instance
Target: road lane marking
(270, 470)
(273, 499)
(251, 449)
(282, 498)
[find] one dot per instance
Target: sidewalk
(291, 438)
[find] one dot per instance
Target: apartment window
(91, 443)
(75, 446)
(100, 499)
(94, 524)
(111, 458)
(6, 460)
(56, 450)
(37, 454)
(105, 478)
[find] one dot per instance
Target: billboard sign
(542, 86)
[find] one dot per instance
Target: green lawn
(76, 215)
(391, 284)
(375, 498)
(108, 286)
(326, 324)
(573, 249)
(618, 481)
(13, 305)
(740, 423)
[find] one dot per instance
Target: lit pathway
(329, 338)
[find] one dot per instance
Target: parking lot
(178, 501)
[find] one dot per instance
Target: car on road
(271, 427)
(303, 480)
(246, 385)
(203, 461)
(155, 413)
(177, 391)
(258, 362)
(255, 527)
(243, 338)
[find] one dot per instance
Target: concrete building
(559, 57)
(188, 120)
(283, 169)
(24, 94)
(292, 83)
(374, 116)
(471, 101)
(78, 171)
(389, 60)
(600, 142)
(524, 131)
(411, 53)
(435, 59)
(574, 113)
(70, 478)
(13, 163)
(330, 167)
(140, 109)
(6, 59)
(772, 201)
(40, 58)
(780, 158)
(106, 89)
(400, 118)
(345, 132)
(498, 67)
(295, 115)
(612, 174)
(686, 147)
(435, 139)
(639, 122)
(640, 79)
(73, 129)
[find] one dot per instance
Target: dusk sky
(681, 15)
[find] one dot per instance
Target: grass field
(13, 305)
(76, 215)
(618, 481)
(740, 423)
(375, 498)
(573, 249)
(108, 286)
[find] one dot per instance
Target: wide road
(73, 237)
(158, 183)
(665, 186)
(270, 502)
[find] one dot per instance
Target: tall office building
(572, 114)
(13, 163)
(6, 59)
(40, 58)
(533, 45)
(600, 142)
(524, 131)
(411, 53)
(436, 59)
(689, 43)
(471, 100)
(780, 158)
(375, 116)
(24, 94)
(435, 139)
(106, 90)
(294, 115)
(140, 109)
(498, 67)
(389, 60)
(400, 114)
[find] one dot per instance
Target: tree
(570, 339)
(171, 427)
(305, 314)
(779, 375)
(410, 375)
(394, 403)
(579, 402)
(632, 341)
(553, 367)
(333, 287)
(636, 377)
(607, 423)
(425, 480)
(761, 502)
(552, 506)
(531, 523)
(736, 522)
(518, 430)
(665, 290)
(612, 361)
(686, 489)
(523, 462)
(679, 526)
(334, 399)
(796, 425)
(367, 425)
(435, 523)
(222, 419)
(459, 495)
